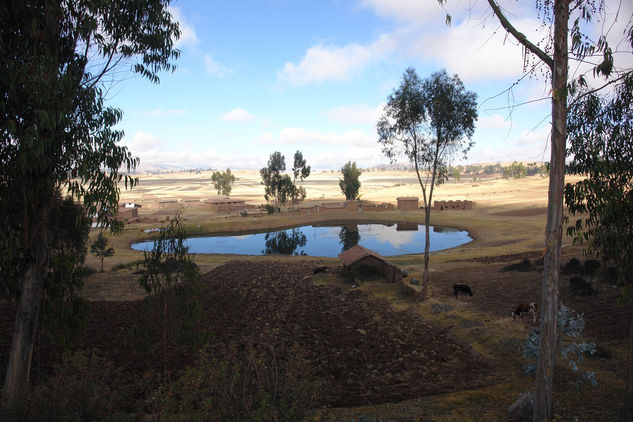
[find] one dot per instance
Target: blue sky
(260, 76)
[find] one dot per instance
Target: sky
(260, 76)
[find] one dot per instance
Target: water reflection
(349, 236)
(285, 242)
(387, 240)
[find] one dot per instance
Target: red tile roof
(355, 254)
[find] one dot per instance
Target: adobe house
(407, 203)
(452, 205)
(358, 257)
(225, 203)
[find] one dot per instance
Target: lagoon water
(327, 241)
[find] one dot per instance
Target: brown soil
(363, 349)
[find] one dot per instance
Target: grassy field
(507, 224)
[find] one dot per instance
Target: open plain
(370, 350)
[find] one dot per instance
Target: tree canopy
(601, 146)
(223, 181)
(57, 59)
(350, 183)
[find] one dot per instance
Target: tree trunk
(543, 405)
(629, 359)
(427, 243)
(25, 329)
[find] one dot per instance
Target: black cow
(463, 289)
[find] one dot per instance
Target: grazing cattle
(526, 308)
(463, 289)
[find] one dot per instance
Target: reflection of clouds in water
(386, 234)
(241, 238)
(327, 232)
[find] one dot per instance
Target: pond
(327, 241)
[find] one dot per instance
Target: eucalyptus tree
(601, 147)
(57, 59)
(223, 181)
(350, 183)
(553, 51)
(428, 122)
(300, 170)
(276, 183)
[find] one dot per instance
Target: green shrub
(84, 387)
(255, 385)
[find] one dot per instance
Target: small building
(359, 257)
(452, 205)
(168, 204)
(407, 203)
(227, 204)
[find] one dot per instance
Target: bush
(591, 267)
(84, 387)
(522, 266)
(580, 287)
(254, 385)
(573, 267)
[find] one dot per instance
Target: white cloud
(331, 63)
(237, 115)
(495, 121)
(214, 68)
(142, 142)
(187, 31)
(476, 52)
(354, 114)
(166, 113)
(300, 136)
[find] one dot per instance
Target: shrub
(580, 287)
(573, 267)
(522, 266)
(570, 325)
(254, 385)
(84, 387)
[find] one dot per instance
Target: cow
(463, 289)
(526, 308)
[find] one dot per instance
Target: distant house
(452, 205)
(358, 257)
(225, 203)
(406, 203)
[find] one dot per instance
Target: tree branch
(519, 35)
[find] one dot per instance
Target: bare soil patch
(363, 349)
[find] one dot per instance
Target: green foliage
(101, 249)
(515, 170)
(350, 183)
(84, 387)
(348, 237)
(570, 326)
(428, 121)
(171, 275)
(63, 308)
(57, 61)
(254, 385)
(223, 181)
(280, 188)
(601, 144)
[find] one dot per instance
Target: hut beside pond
(408, 202)
(360, 259)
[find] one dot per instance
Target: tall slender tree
(554, 51)
(56, 133)
(350, 183)
(428, 122)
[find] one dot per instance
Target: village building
(227, 204)
(452, 205)
(407, 203)
(359, 258)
